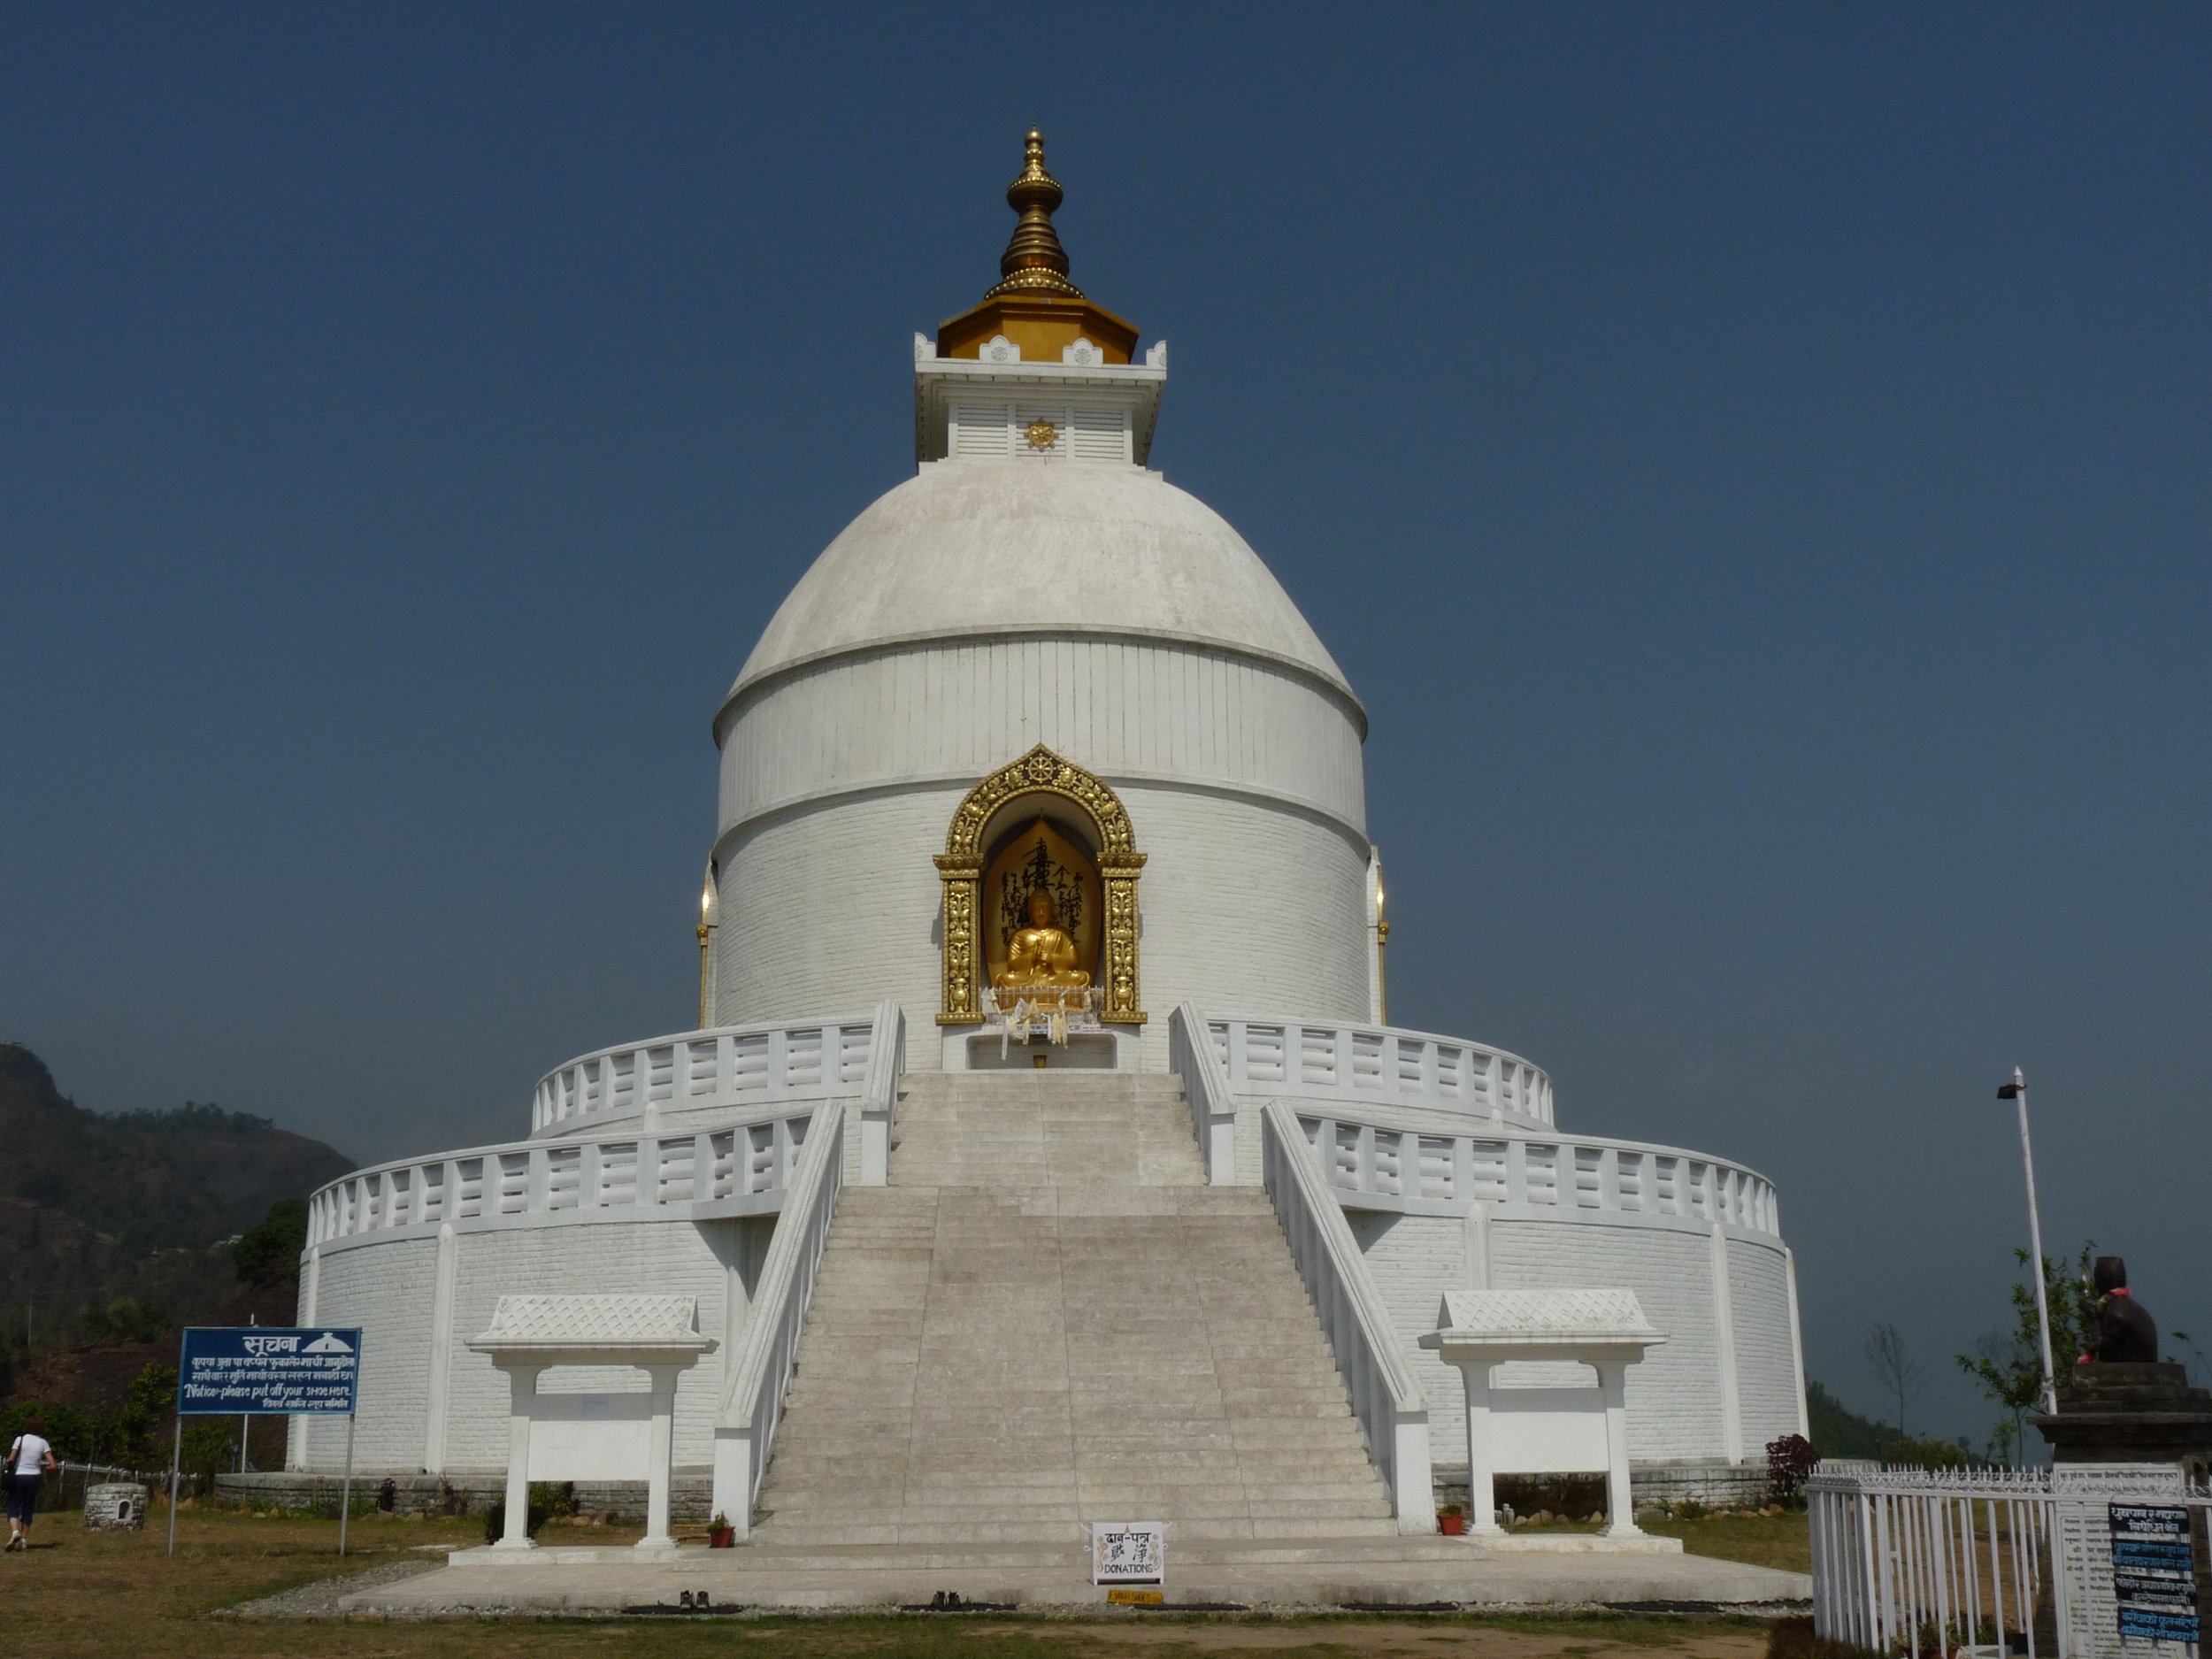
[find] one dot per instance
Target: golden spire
(1035, 263)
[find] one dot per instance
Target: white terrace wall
(1676, 1397)
(417, 1367)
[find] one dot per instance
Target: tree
(269, 1253)
(2009, 1365)
(1894, 1365)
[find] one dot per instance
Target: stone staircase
(1047, 1318)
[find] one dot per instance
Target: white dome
(966, 548)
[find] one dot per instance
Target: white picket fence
(1956, 1564)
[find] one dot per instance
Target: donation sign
(2154, 1572)
(228, 1371)
(1128, 1552)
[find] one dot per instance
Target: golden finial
(1034, 262)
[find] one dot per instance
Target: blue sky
(1751, 462)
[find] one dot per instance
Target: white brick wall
(962, 709)
(1245, 905)
(387, 1289)
(1766, 1371)
(1673, 1402)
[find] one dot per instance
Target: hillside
(115, 1228)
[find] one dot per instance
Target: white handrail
(1314, 1059)
(1191, 1055)
(879, 1093)
(724, 1065)
(762, 1357)
(614, 1175)
(1385, 1396)
(1388, 1167)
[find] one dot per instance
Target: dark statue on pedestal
(2124, 1332)
(2120, 1405)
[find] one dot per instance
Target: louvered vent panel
(1099, 434)
(980, 429)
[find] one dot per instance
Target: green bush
(269, 1253)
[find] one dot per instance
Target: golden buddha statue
(1041, 958)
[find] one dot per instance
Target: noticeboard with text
(2154, 1571)
(229, 1371)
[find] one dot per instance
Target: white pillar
(1725, 1350)
(441, 1345)
(522, 1386)
(1482, 1494)
(660, 1458)
(1620, 1503)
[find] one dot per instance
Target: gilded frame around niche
(960, 867)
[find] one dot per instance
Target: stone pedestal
(114, 1506)
(2130, 1414)
(2133, 1425)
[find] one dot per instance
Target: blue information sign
(228, 1371)
(2154, 1571)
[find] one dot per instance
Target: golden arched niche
(1045, 855)
(993, 821)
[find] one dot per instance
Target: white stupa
(1038, 768)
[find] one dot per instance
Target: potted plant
(720, 1534)
(1451, 1520)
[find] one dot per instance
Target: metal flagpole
(176, 1455)
(345, 1502)
(2017, 1090)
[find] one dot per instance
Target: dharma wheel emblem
(1042, 769)
(1043, 435)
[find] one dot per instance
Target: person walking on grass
(28, 1459)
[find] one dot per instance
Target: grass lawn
(103, 1593)
(1779, 1541)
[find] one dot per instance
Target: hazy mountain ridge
(116, 1228)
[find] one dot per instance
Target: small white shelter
(1544, 1430)
(530, 1334)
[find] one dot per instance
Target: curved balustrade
(727, 1065)
(739, 1170)
(1409, 1170)
(1310, 1059)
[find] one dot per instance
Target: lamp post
(1382, 945)
(2017, 1090)
(706, 931)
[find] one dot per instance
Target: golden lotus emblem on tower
(1043, 435)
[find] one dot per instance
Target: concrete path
(1292, 1573)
